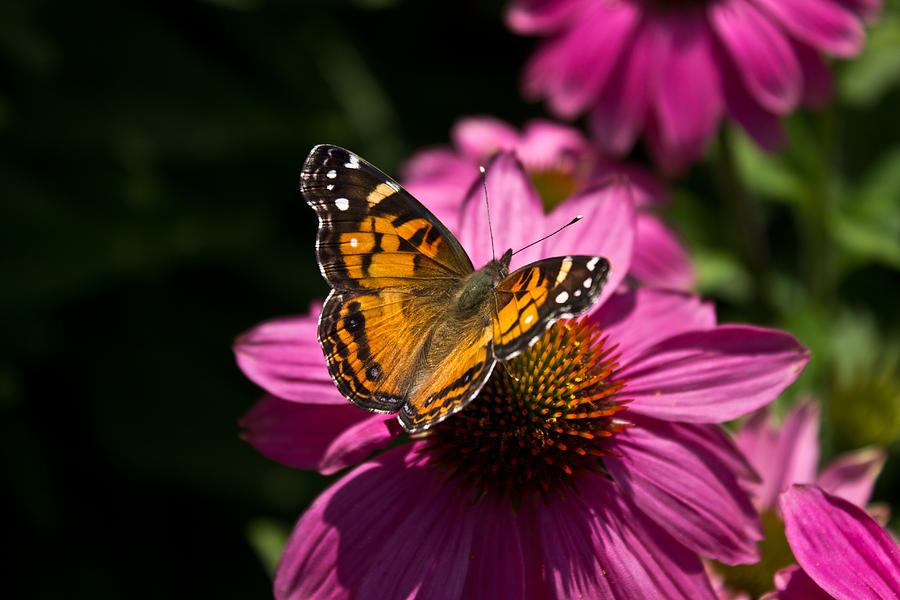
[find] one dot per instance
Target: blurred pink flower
(597, 472)
(841, 551)
(789, 454)
(560, 162)
(672, 70)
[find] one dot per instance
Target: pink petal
(438, 161)
(686, 116)
(659, 258)
(688, 490)
(537, 16)
(852, 476)
(391, 528)
(794, 584)
(870, 10)
(324, 437)
(622, 108)
(646, 189)
(796, 454)
(597, 545)
(823, 24)
(816, 76)
(283, 356)
(548, 145)
(764, 56)
(607, 230)
(479, 137)
(515, 207)
(637, 319)
(762, 125)
(713, 376)
(571, 69)
(839, 546)
(498, 567)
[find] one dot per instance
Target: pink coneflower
(560, 162)
(672, 70)
(589, 466)
(785, 455)
(842, 552)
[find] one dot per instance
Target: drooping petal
(713, 376)
(498, 567)
(852, 476)
(686, 117)
(607, 230)
(816, 76)
(793, 583)
(283, 356)
(823, 24)
(537, 16)
(839, 546)
(391, 528)
(659, 258)
(597, 545)
(688, 490)
(621, 110)
(764, 56)
(571, 69)
(515, 209)
(324, 437)
(636, 320)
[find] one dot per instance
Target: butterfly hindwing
(372, 233)
(535, 296)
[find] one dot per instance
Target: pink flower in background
(673, 70)
(841, 551)
(560, 162)
(786, 455)
(597, 471)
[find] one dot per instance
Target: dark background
(150, 213)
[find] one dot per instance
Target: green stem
(746, 225)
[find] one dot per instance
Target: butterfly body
(410, 327)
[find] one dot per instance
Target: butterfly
(410, 327)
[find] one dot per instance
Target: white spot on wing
(564, 267)
(342, 203)
(354, 242)
(353, 163)
(587, 282)
(331, 174)
(393, 186)
(562, 297)
(534, 340)
(329, 187)
(529, 319)
(592, 264)
(577, 293)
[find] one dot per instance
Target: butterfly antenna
(488, 204)
(572, 222)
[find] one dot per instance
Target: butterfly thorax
(482, 283)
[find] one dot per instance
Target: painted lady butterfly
(410, 327)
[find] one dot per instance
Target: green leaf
(268, 537)
(865, 80)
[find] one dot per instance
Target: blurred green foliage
(150, 155)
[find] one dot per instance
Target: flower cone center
(542, 419)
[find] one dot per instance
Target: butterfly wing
(391, 340)
(534, 297)
(373, 235)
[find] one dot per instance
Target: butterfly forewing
(534, 297)
(372, 233)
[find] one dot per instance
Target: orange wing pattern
(372, 233)
(534, 297)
